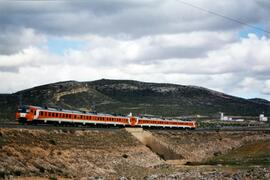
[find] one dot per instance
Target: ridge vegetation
(124, 96)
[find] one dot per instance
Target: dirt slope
(112, 154)
(199, 146)
(71, 154)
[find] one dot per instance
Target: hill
(124, 96)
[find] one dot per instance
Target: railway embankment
(159, 147)
(134, 154)
(200, 146)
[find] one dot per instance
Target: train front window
(23, 109)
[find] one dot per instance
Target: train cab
(26, 113)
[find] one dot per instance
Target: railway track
(112, 128)
(223, 129)
(53, 127)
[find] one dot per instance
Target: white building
(224, 118)
(227, 118)
(263, 118)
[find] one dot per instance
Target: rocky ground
(200, 146)
(116, 154)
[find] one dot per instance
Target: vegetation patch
(255, 153)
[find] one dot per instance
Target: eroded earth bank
(117, 153)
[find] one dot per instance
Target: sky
(221, 45)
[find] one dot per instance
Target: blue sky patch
(249, 30)
(59, 46)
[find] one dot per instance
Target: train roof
(147, 117)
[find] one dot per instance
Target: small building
(230, 118)
(263, 118)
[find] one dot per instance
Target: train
(29, 114)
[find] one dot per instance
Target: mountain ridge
(124, 96)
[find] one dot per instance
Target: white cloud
(16, 40)
(155, 41)
(266, 87)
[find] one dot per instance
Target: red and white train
(34, 114)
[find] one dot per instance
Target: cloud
(266, 88)
(237, 65)
(134, 18)
(13, 41)
(153, 40)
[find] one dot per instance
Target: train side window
(41, 113)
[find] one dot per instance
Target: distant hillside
(260, 101)
(124, 96)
